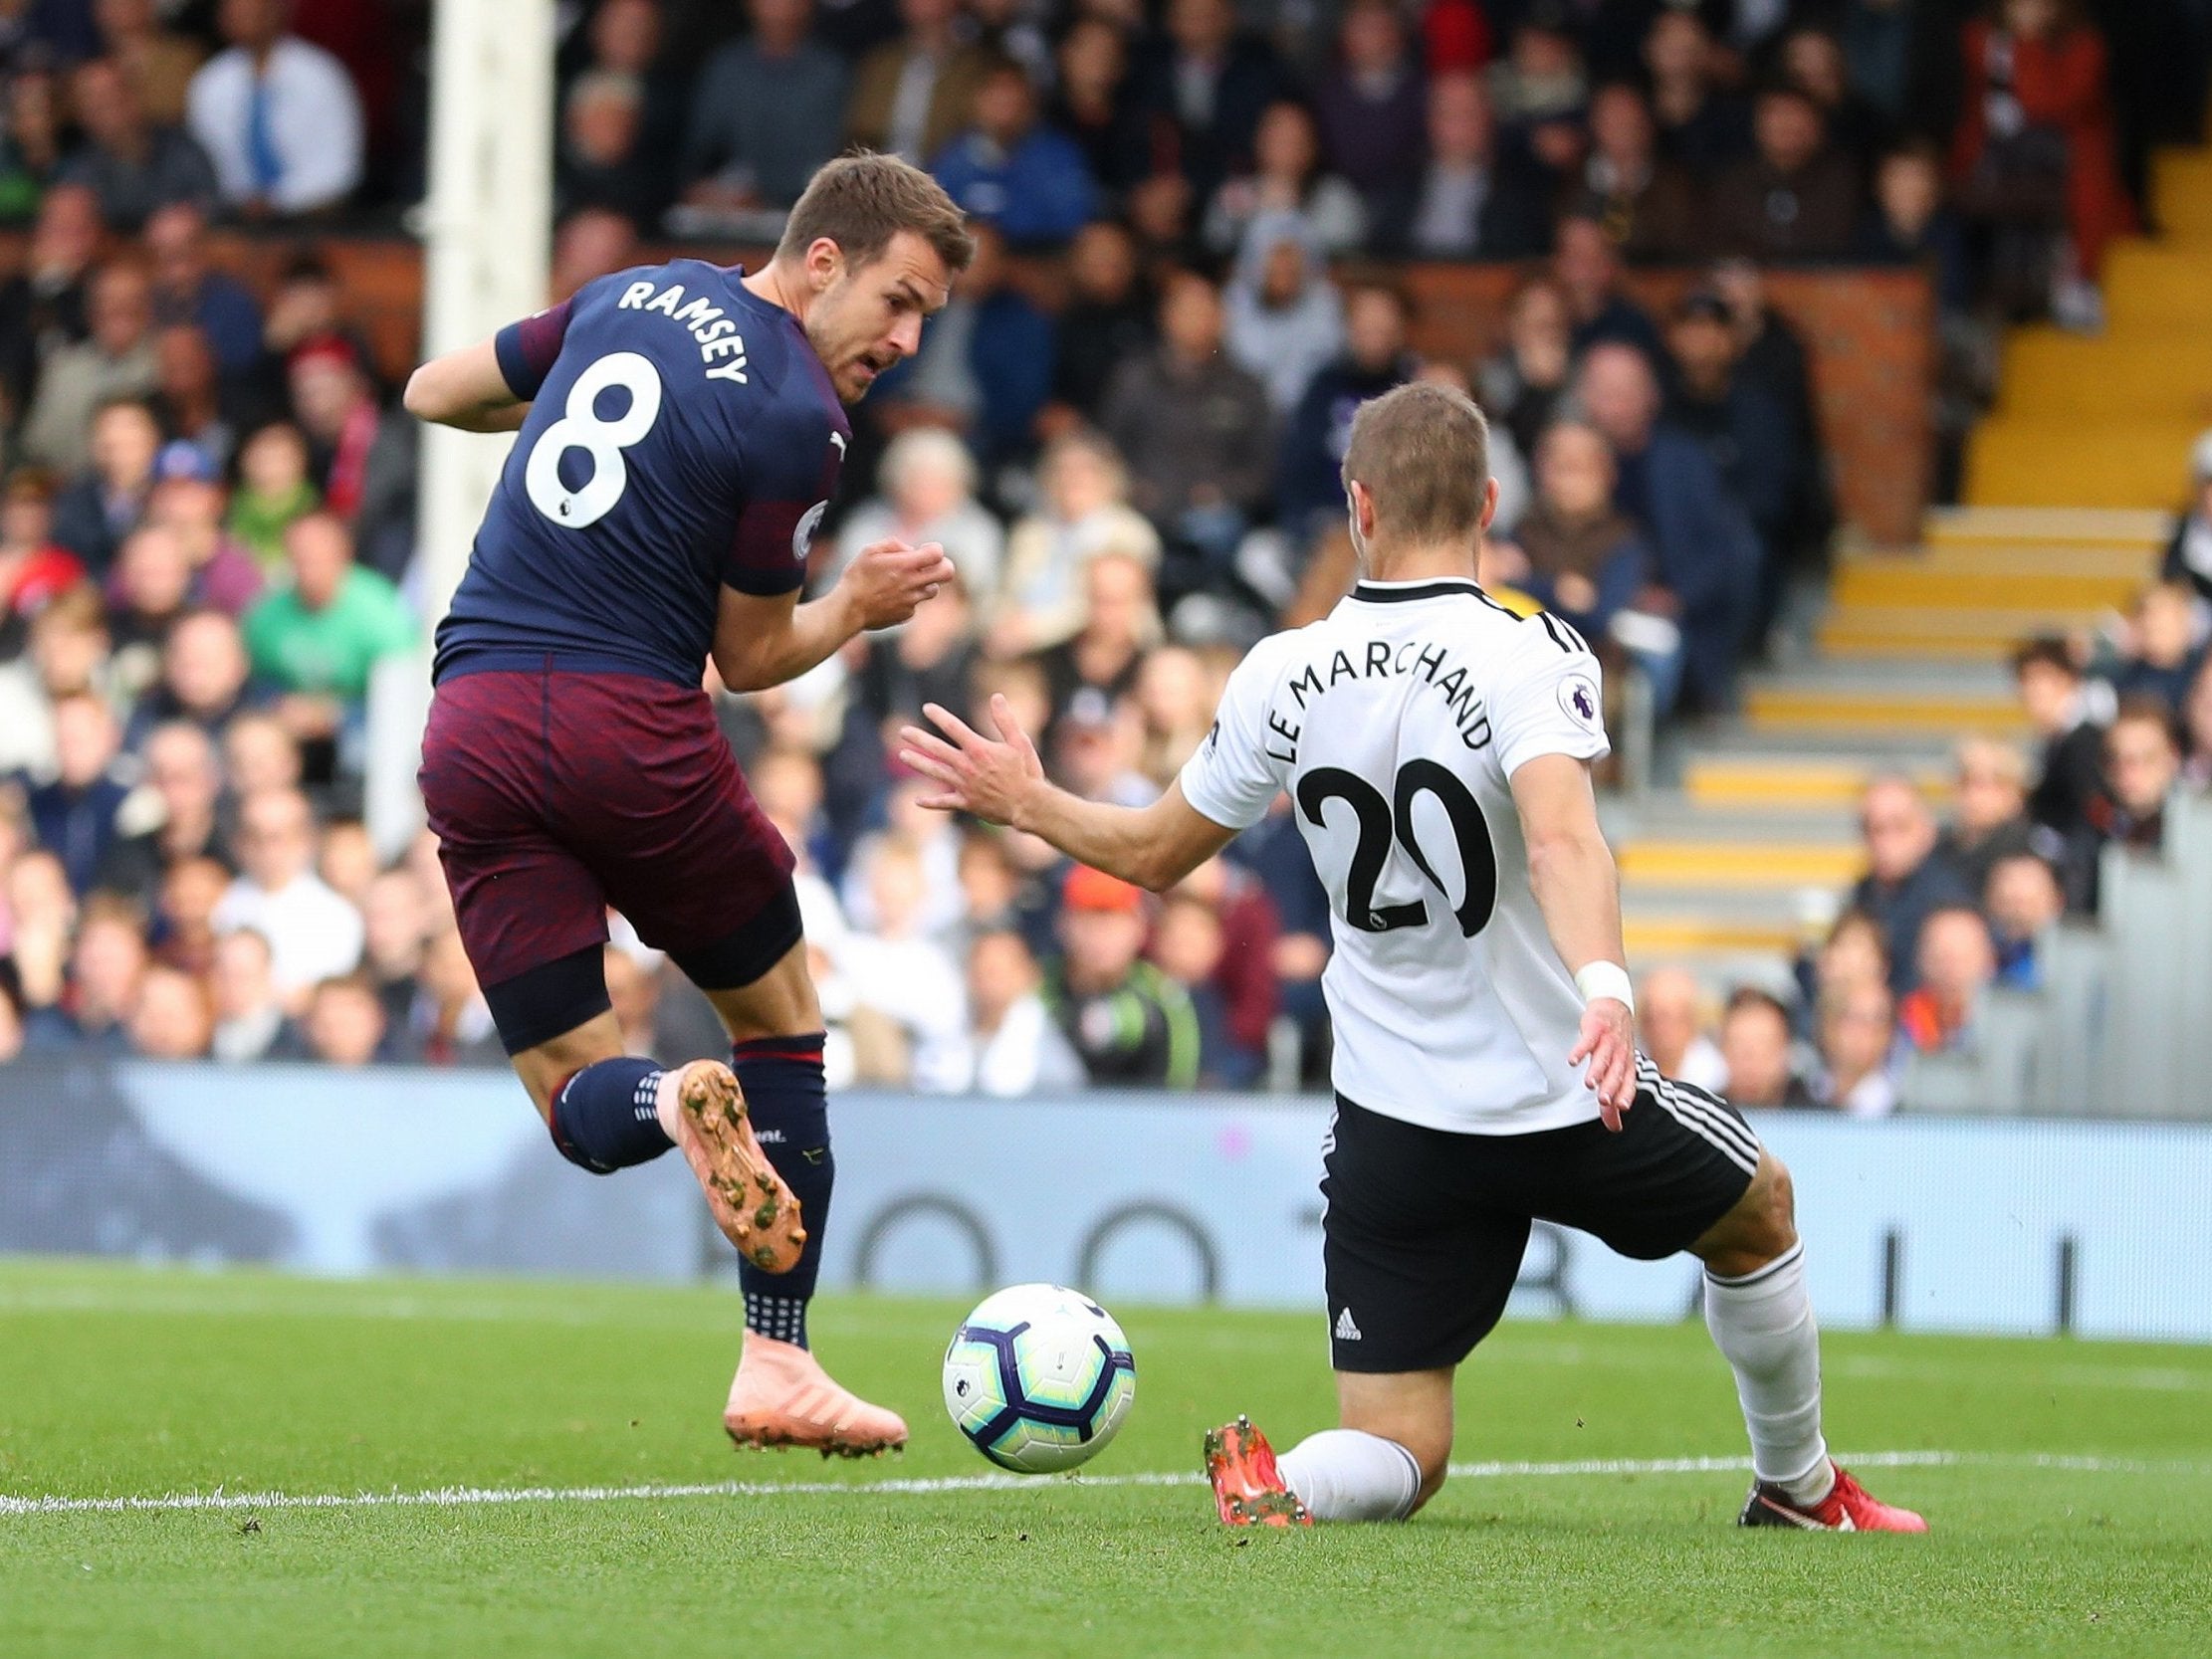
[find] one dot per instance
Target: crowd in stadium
(1961, 890)
(207, 518)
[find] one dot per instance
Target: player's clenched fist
(888, 580)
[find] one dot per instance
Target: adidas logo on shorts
(1345, 1330)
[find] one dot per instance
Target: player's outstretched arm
(1571, 871)
(762, 641)
(1003, 783)
(467, 390)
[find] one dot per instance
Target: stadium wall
(1872, 332)
(1930, 1224)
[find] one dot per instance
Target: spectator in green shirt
(273, 492)
(1128, 1022)
(322, 632)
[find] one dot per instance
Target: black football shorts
(1424, 1228)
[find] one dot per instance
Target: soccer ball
(1039, 1378)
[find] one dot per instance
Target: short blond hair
(1423, 452)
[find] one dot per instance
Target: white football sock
(1346, 1474)
(1763, 1322)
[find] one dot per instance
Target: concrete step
(1728, 936)
(2047, 526)
(2182, 185)
(2157, 285)
(2142, 367)
(1944, 587)
(1911, 635)
(2156, 261)
(2045, 353)
(1905, 750)
(1933, 678)
(1854, 645)
(1696, 939)
(2181, 397)
(1728, 783)
(1780, 864)
(2119, 461)
(2004, 560)
(2125, 374)
(1686, 815)
(1869, 714)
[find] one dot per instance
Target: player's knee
(1763, 1226)
(1777, 1215)
(544, 1016)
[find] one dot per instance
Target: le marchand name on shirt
(717, 335)
(1422, 660)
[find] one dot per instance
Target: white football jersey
(1396, 724)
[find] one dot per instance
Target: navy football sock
(603, 1117)
(788, 1100)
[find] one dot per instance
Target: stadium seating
(2098, 421)
(1741, 863)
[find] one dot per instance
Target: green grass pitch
(2070, 1485)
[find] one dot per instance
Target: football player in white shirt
(1437, 749)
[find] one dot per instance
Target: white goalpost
(488, 227)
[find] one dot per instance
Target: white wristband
(1610, 979)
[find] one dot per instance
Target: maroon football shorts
(556, 795)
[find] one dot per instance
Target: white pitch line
(469, 1496)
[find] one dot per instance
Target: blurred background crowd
(1125, 431)
(1966, 878)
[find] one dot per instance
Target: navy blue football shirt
(682, 438)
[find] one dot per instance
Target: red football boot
(1847, 1508)
(1247, 1488)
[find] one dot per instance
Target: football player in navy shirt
(681, 431)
